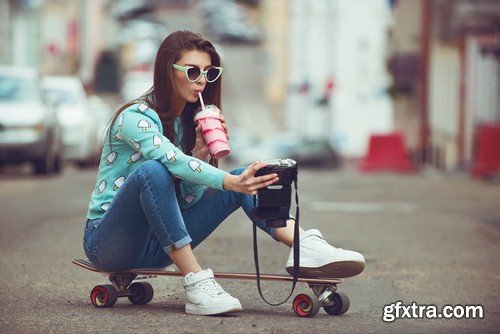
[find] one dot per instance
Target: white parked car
(135, 84)
(78, 121)
(29, 130)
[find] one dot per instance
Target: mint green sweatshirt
(137, 136)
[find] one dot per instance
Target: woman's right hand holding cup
(247, 182)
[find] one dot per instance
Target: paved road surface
(426, 238)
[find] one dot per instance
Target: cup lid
(210, 110)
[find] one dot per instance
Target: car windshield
(18, 89)
(65, 97)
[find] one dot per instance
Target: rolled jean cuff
(178, 244)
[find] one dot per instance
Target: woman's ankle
(285, 234)
(185, 260)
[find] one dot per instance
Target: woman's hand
(247, 182)
(201, 149)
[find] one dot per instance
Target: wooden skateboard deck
(243, 276)
(124, 285)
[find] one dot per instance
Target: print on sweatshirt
(137, 136)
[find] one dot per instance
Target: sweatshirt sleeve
(139, 127)
(190, 193)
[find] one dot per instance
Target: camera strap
(296, 251)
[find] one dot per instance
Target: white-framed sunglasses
(194, 73)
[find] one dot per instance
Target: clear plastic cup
(213, 132)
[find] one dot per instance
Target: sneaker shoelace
(323, 241)
(212, 287)
(318, 239)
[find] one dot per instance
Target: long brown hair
(162, 96)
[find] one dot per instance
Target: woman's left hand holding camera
(247, 182)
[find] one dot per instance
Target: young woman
(159, 193)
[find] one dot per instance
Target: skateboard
(124, 284)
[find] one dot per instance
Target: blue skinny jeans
(144, 221)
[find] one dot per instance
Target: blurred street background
(390, 107)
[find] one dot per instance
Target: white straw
(201, 101)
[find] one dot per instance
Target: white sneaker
(206, 297)
(320, 259)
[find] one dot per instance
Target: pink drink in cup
(213, 132)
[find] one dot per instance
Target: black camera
(273, 202)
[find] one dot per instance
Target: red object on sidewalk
(488, 151)
(386, 152)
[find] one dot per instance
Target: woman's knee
(155, 171)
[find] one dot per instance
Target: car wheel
(46, 165)
(82, 164)
(58, 164)
(43, 166)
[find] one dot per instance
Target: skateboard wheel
(305, 305)
(340, 304)
(140, 293)
(104, 295)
